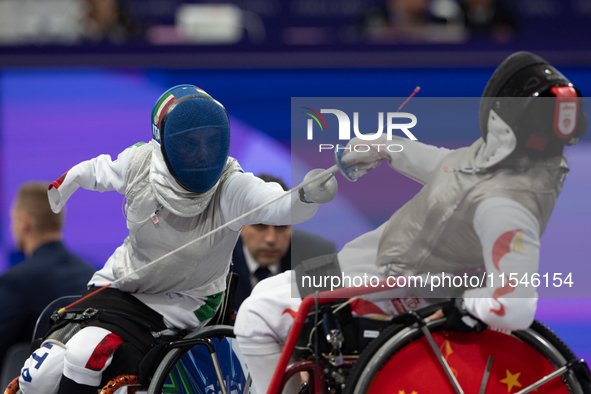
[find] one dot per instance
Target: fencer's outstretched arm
(416, 160)
(509, 235)
(244, 192)
(100, 174)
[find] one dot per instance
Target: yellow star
(511, 380)
(401, 392)
(446, 348)
(414, 392)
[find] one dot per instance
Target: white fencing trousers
(83, 359)
(89, 353)
(269, 311)
(262, 325)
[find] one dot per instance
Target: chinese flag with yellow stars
(416, 370)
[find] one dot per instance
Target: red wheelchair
(413, 355)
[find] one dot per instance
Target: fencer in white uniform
(177, 187)
(482, 210)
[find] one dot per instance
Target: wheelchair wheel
(188, 367)
(400, 360)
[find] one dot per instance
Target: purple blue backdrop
(51, 120)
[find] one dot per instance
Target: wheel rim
(392, 368)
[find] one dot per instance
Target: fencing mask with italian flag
(193, 131)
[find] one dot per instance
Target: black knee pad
(68, 386)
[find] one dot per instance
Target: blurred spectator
(412, 21)
(50, 271)
(110, 21)
(490, 18)
(263, 250)
(25, 22)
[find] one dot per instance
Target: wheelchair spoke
(218, 372)
(247, 384)
(550, 376)
(486, 375)
(442, 359)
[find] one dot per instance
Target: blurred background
(79, 78)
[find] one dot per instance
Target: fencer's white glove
(320, 191)
(364, 156)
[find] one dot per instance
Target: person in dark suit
(48, 272)
(265, 250)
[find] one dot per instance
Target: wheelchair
(413, 355)
(409, 355)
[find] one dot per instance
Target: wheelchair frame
(423, 327)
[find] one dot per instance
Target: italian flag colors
(165, 102)
(202, 91)
(161, 106)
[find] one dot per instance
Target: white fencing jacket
(178, 283)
